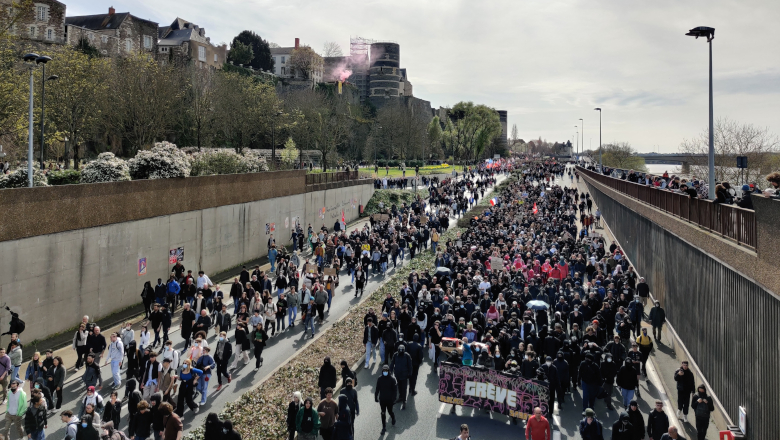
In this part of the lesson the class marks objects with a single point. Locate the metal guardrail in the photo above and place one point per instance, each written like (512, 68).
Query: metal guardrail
(339, 176)
(729, 221)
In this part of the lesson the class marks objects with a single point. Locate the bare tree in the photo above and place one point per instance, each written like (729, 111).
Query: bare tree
(332, 49)
(305, 62)
(514, 136)
(733, 139)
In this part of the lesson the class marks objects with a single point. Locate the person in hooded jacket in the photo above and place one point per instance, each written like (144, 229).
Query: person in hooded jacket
(637, 420)
(228, 433)
(292, 414)
(342, 429)
(347, 372)
(562, 367)
(609, 369)
(627, 381)
(351, 395)
(133, 397)
(307, 422)
(623, 429)
(39, 385)
(327, 378)
(86, 430)
(385, 394)
(702, 405)
(212, 429)
(110, 433)
(551, 373)
(402, 368)
(417, 353)
(112, 411)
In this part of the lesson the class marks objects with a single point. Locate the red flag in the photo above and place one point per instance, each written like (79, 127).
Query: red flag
(343, 219)
(535, 209)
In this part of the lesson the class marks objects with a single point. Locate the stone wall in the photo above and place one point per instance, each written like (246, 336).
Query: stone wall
(95, 270)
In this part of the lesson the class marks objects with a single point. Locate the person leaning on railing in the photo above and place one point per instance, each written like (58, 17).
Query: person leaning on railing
(774, 181)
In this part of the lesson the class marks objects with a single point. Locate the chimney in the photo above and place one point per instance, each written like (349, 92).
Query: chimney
(297, 42)
(111, 10)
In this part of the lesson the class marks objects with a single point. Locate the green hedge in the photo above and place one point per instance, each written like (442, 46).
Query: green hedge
(391, 197)
(64, 177)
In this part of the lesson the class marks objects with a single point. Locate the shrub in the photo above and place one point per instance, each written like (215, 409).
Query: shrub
(390, 197)
(223, 161)
(256, 162)
(106, 168)
(64, 177)
(18, 178)
(163, 161)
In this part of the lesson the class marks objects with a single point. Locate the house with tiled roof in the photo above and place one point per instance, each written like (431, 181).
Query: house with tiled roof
(186, 42)
(114, 33)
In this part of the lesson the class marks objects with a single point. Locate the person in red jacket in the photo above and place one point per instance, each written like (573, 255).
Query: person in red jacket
(537, 427)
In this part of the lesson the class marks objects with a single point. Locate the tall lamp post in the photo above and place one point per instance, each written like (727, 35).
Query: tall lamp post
(273, 139)
(43, 60)
(29, 60)
(601, 164)
(709, 34)
(582, 134)
(577, 141)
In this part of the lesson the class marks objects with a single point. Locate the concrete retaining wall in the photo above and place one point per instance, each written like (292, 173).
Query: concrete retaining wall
(52, 280)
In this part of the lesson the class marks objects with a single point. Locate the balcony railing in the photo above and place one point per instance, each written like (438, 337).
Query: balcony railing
(729, 221)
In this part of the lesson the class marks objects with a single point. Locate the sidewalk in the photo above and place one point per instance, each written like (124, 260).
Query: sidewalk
(664, 359)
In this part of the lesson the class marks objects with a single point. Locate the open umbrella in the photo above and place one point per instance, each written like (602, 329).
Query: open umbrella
(537, 305)
(443, 271)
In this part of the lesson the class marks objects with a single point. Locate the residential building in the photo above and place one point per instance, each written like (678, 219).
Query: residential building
(185, 42)
(113, 34)
(283, 67)
(43, 21)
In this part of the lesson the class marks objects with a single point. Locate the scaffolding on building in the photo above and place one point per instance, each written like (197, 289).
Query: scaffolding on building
(359, 49)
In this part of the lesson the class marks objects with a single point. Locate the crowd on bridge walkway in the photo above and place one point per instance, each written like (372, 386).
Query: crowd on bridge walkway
(725, 192)
(222, 328)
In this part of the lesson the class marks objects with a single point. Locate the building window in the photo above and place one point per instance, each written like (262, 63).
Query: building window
(32, 31)
(50, 34)
(128, 45)
(104, 39)
(147, 42)
(215, 58)
(201, 53)
(283, 61)
(42, 13)
(163, 49)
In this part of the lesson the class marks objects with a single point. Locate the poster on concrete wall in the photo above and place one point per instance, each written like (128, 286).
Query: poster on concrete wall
(267, 228)
(286, 222)
(273, 227)
(141, 266)
(176, 255)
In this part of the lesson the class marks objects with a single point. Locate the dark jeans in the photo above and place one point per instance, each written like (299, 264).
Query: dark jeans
(280, 323)
(326, 433)
(321, 311)
(258, 355)
(82, 356)
(58, 393)
(386, 405)
(222, 370)
(683, 401)
(702, 423)
(403, 385)
(270, 323)
(589, 393)
(413, 378)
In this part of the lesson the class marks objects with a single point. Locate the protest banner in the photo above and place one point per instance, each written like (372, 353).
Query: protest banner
(496, 263)
(478, 387)
(330, 271)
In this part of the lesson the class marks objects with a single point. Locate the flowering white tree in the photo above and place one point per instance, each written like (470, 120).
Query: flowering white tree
(163, 161)
(106, 168)
(18, 178)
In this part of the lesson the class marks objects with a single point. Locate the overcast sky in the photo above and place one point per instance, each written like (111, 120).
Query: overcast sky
(548, 63)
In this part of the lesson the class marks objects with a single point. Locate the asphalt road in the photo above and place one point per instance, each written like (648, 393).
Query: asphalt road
(279, 349)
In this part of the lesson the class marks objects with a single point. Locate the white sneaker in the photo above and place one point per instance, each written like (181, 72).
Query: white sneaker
(679, 413)
(197, 408)
(685, 418)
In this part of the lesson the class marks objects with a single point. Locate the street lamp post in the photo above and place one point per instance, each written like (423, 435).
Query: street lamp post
(273, 139)
(29, 60)
(577, 140)
(43, 60)
(709, 34)
(601, 164)
(582, 134)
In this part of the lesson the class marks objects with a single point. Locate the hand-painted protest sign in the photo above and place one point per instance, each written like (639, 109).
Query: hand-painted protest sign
(330, 271)
(477, 387)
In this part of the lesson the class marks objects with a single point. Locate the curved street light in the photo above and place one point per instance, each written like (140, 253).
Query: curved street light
(709, 34)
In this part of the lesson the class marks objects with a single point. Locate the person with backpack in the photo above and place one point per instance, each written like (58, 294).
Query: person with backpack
(71, 424)
(86, 429)
(590, 427)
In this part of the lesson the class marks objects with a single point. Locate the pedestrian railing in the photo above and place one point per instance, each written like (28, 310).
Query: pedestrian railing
(338, 176)
(729, 221)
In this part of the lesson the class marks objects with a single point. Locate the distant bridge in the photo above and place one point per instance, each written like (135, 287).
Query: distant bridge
(686, 160)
